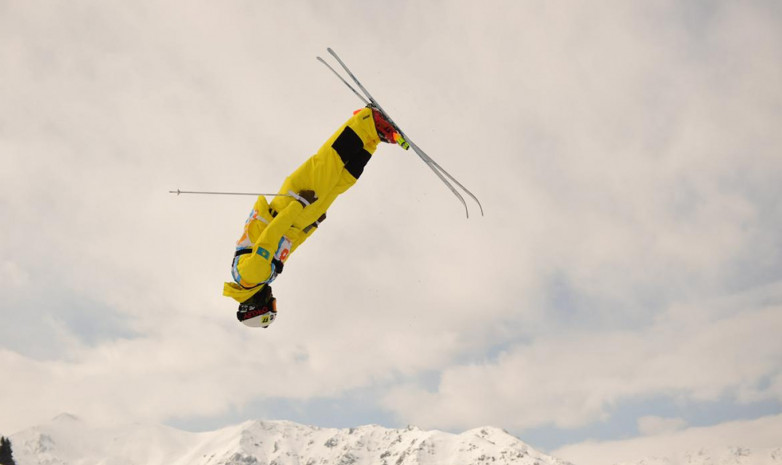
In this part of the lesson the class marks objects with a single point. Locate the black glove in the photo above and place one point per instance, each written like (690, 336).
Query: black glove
(308, 196)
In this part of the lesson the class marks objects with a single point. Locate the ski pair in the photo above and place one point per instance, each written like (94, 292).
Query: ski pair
(403, 141)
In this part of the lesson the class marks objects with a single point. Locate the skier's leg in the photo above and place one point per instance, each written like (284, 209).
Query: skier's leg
(334, 168)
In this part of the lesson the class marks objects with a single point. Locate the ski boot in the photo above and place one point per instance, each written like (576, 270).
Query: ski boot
(385, 130)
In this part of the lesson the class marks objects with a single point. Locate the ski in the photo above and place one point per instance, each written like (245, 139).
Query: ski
(404, 141)
(361, 97)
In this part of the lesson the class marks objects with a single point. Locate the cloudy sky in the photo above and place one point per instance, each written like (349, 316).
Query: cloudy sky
(622, 295)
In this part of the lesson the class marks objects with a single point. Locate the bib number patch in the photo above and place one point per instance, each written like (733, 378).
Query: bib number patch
(283, 249)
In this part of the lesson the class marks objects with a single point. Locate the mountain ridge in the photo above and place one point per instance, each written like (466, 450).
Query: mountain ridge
(69, 440)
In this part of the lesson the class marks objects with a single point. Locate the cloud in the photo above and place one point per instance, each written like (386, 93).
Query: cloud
(625, 154)
(574, 378)
(13, 274)
(754, 434)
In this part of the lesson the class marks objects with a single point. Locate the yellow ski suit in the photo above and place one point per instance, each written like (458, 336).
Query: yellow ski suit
(273, 231)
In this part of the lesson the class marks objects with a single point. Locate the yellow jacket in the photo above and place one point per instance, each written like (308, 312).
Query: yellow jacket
(274, 231)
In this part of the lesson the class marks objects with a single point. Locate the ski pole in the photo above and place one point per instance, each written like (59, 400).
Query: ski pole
(177, 192)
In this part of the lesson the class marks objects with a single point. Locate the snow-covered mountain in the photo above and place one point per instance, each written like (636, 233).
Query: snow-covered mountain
(68, 440)
(717, 456)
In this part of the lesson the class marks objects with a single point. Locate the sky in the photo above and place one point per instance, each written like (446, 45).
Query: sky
(621, 297)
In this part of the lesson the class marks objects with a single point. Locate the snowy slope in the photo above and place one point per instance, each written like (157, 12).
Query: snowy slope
(721, 456)
(68, 440)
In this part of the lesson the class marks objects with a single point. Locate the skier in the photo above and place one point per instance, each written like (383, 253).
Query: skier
(275, 230)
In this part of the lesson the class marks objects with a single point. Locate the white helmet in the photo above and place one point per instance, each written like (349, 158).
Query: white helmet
(260, 310)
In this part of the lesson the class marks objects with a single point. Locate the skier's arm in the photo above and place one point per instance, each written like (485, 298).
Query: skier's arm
(271, 235)
(256, 267)
(308, 231)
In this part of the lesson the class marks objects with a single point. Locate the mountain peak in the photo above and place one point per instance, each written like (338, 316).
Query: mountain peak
(280, 442)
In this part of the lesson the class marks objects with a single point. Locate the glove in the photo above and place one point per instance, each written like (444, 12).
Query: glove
(306, 197)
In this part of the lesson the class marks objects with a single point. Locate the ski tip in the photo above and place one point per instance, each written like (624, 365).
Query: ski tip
(467, 211)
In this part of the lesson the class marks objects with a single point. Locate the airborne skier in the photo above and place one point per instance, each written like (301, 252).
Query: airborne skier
(275, 230)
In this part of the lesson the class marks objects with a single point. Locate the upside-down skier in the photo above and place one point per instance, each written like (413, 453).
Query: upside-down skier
(275, 230)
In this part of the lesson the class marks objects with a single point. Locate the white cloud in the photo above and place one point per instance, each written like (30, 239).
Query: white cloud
(12, 274)
(622, 153)
(574, 378)
(761, 433)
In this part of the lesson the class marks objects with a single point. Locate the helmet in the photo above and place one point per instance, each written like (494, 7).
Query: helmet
(260, 310)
